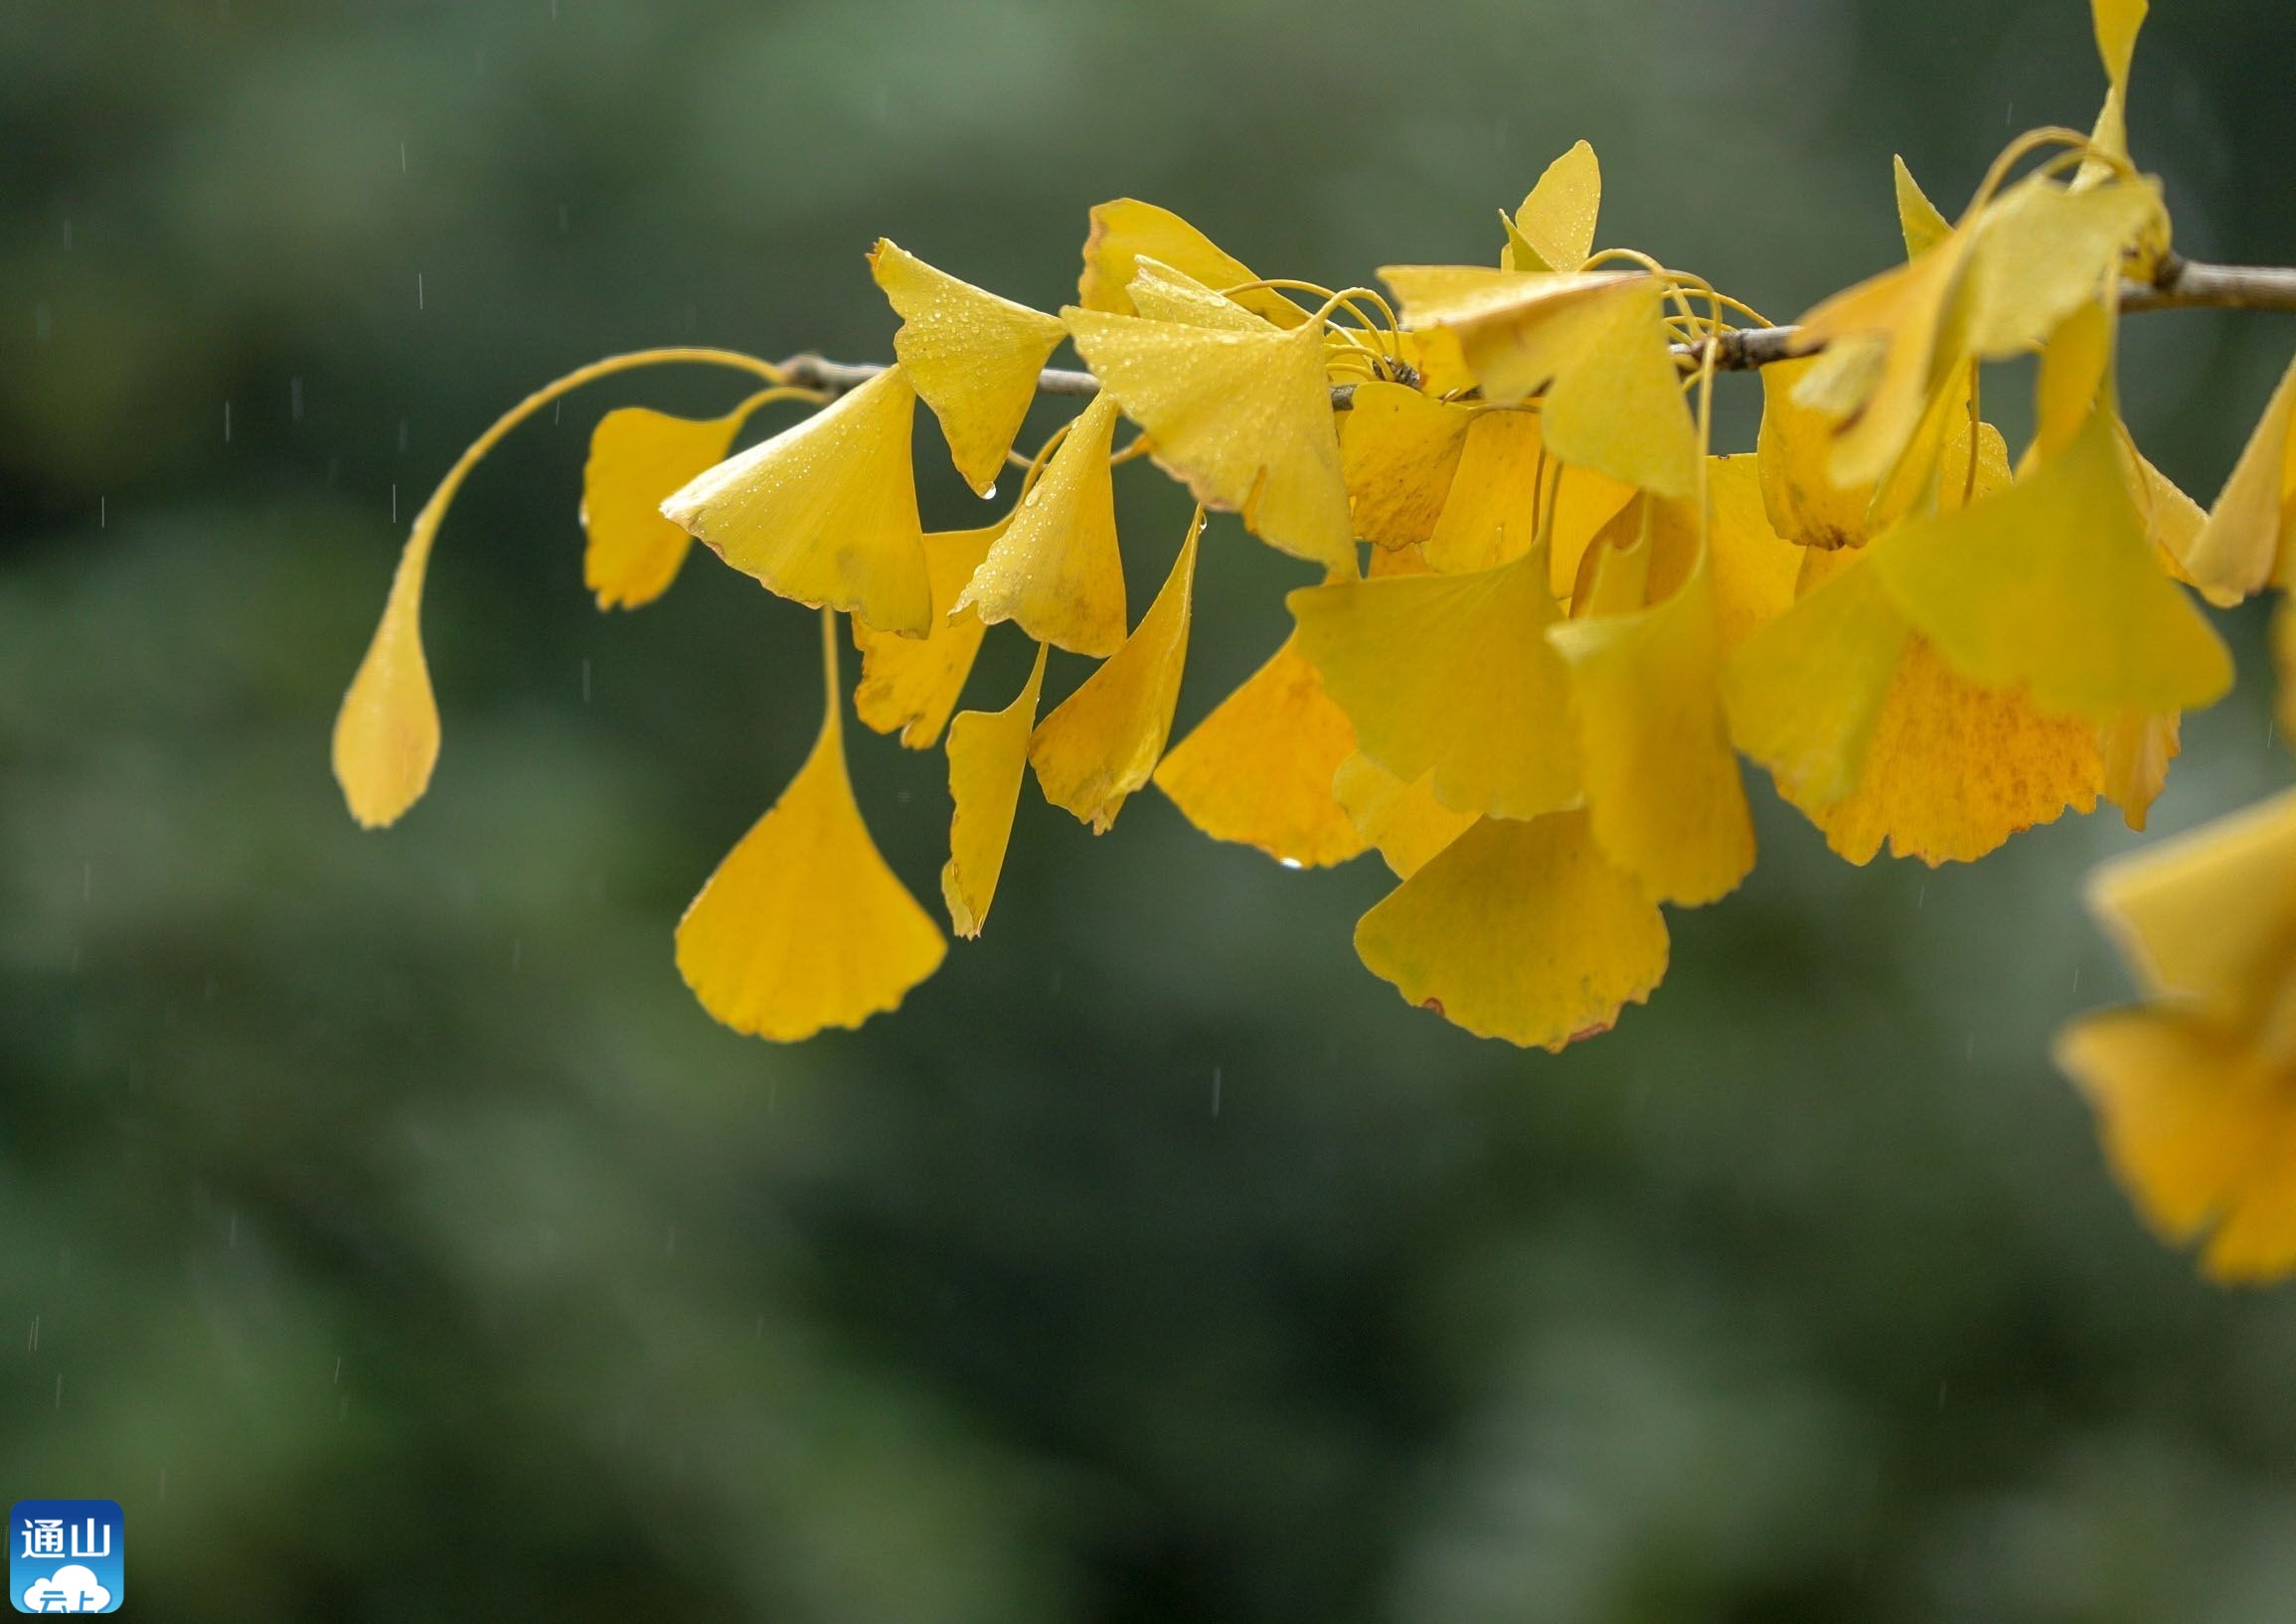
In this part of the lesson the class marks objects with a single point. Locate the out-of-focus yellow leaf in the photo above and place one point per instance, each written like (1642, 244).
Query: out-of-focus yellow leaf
(1243, 418)
(1103, 741)
(1258, 769)
(1453, 674)
(2117, 21)
(2041, 250)
(1593, 341)
(2051, 586)
(2200, 1127)
(1796, 450)
(1518, 930)
(637, 458)
(972, 356)
(1126, 230)
(912, 683)
(1889, 346)
(2242, 547)
(1492, 510)
(803, 926)
(387, 733)
(2135, 749)
(1804, 691)
(1553, 229)
(1056, 571)
(1755, 569)
(1398, 450)
(1404, 821)
(988, 753)
(825, 511)
(1918, 220)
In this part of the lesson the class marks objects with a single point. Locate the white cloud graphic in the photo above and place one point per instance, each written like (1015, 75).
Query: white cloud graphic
(73, 1589)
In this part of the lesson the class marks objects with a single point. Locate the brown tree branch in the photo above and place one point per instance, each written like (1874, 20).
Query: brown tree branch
(2179, 285)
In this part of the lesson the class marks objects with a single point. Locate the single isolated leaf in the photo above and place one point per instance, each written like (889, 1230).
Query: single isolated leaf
(1398, 449)
(2052, 586)
(1056, 571)
(1555, 227)
(2243, 543)
(1594, 342)
(825, 511)
(1103, 741)
(2200, 1126)
(1518, 930)
(803, 926)
(1243, 418)
(637, 459)
(972, 357)
(1453, 674)
(387, 733)
(987, 755)
(1258, 769)
(1403, 820)
(1127, 230)
(1492, 513)
(910, 683)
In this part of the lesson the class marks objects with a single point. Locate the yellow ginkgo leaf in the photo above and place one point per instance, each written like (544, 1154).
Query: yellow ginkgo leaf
(1103, 741)
(1918, 220)
(1243, 418)
(1518, 930)
(1593, 341)
(637, 458)
(1953, 769)
(2284, 668)
(2242, 545)
(2041, 250)
(1402, 820)
(2208, 919)
(1127, 230)
(2200, 1127)
(972, 357)
(1755, 569)
(987, 755)
(1056, 571)
(1161, 293)
(1555, 227)
(1586, 504)
(2052, 586)
(387, 733)
(912, 683)
(1493, 506)
(1663, 794)
(1451, 675)
(1258, 769)
(825, 511)
(803, 926)
(1890, 346)
(2134, 750)
(1804, 691)
(2117, 21)
(1398, 449)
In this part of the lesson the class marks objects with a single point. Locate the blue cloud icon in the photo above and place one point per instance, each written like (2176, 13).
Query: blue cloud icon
(73, 1589)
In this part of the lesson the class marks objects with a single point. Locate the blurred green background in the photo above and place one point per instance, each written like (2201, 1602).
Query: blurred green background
(385, 1227)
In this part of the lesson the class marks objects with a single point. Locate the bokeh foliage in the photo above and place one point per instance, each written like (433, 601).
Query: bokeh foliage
(390, 1232)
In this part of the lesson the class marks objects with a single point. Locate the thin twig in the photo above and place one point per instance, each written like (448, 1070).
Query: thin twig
(2179, 285)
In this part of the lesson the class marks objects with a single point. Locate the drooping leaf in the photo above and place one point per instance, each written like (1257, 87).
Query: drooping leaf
(988, 755)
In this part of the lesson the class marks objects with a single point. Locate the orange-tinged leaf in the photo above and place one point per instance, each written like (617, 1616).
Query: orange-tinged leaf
(1126, 230)
(1103, 741)
(1056, 571)
(2202, 1129)
(1398, 450)
(2135, 748)
(912, 683)
(2051, 586)
(1243, 418)
(637, 459)
(1593, 341)
(1518, 930)
(803, 926)
(1492, 510)
(2208, 919)
(387, 733)
(2242, 547)
(1451, 675)
(1403, 820)
(825, 511)
(1553, 229)
(1663, 794)
(987, 755)
(1258, 769)
(972, 356)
